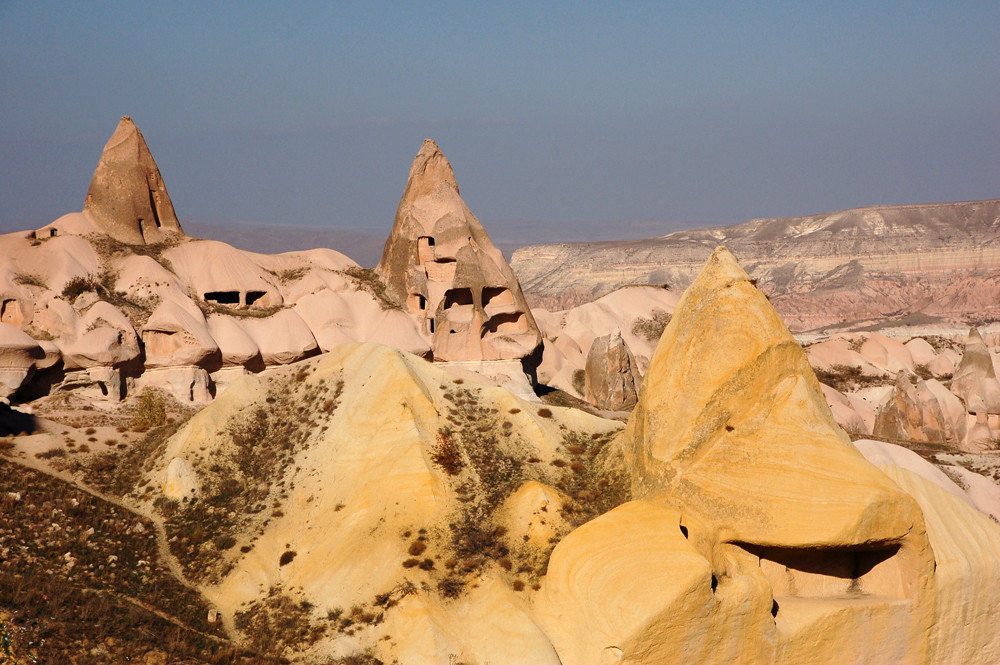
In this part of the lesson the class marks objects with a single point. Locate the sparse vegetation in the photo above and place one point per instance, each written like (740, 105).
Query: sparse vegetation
(939, 343)
(845, 378)
(107, 248)
(278, 622)
(241, 489)
(90, 588)
(103, 286)
(368, 280)
(152, 411)
(651, 329)
(446, 454)
(51, 452)
(120, 472)
(580, 381)
(77, 286)
(208, 307)
(485, 464)
(290, 274)
(28, 279)
(485, 470)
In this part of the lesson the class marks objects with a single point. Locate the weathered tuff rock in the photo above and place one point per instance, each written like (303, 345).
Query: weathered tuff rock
(127, 199)
(918, 410)
(783, 544)
(19, 355)
(975, 379)
(638, 313)
(187, 315)
(374, 487)
(441, 264)
(912, 413)
(728, 382)
(611, 377)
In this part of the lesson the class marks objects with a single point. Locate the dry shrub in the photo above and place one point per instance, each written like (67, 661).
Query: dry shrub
(446, 454)
(651, 329)
(152, 412)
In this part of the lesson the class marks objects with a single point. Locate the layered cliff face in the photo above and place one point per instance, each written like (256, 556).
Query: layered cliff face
(440, 263)
(852, 267)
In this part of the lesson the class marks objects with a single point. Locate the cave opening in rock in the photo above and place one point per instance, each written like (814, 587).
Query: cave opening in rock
(254, 296)
(223, 297)
(457, 297)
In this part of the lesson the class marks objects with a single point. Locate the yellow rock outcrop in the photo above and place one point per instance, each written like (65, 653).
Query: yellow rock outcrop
(383, 491)
(759, 534)
(729, 406)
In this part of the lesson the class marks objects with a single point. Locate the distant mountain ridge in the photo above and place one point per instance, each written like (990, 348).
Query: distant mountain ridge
(941, 260)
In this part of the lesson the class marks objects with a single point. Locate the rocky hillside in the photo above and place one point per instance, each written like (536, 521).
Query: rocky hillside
(854, 267)
(369, 506)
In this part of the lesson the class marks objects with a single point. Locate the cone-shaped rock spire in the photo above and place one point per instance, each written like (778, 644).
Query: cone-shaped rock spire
(733, 426)
(442, 266)
(127, 198)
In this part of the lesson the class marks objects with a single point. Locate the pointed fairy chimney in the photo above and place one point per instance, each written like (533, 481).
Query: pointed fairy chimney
(440, 264)
(127, 198)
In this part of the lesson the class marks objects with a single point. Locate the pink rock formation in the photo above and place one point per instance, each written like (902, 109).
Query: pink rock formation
(975, 379)
(18, 357)
(127, 198)
(441, 264)
(911, 413)
(886, 353)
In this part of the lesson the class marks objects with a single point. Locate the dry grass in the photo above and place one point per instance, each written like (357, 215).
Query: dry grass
(104, 286)
(28, 279)
(847, 379)
(368, 280)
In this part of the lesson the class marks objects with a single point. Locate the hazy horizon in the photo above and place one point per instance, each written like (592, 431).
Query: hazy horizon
(563, 120)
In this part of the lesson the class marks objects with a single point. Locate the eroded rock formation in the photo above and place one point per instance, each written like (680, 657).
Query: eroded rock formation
(407, 481)
(975, 379)
(441, 264)
(912, 413)
(783, 544)
(127, 198)
(611, 377)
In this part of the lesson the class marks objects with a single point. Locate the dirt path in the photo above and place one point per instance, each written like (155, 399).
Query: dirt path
(162, 545)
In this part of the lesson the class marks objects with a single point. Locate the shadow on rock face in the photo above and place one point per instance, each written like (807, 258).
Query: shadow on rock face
(16, 422)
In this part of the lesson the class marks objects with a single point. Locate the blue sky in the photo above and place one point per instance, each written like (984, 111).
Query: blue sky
(572, 115)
